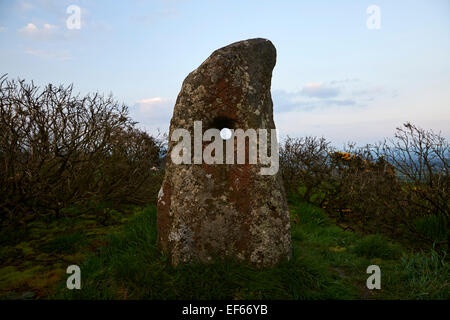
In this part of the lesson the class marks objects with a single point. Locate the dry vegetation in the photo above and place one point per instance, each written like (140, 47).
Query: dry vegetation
(58, 149)
(399, 186)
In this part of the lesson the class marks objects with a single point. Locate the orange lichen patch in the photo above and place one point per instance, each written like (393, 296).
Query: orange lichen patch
(227, 93)
(242, 243)
(240, 179)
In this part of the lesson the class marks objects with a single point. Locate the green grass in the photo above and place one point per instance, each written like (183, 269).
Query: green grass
(65, 243)
(34, 257)
(377, 246)
(119, 259)
(433, 226)
(427, 275)
(132, 263)
(327, 263)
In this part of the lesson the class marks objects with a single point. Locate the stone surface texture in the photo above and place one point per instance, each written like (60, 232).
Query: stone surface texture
(225, 210)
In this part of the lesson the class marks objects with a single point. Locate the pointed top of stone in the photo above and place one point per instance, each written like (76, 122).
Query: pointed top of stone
(257, 50)
(233, 83)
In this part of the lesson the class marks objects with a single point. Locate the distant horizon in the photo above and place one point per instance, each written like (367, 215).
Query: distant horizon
(158, 131)
(335, 75)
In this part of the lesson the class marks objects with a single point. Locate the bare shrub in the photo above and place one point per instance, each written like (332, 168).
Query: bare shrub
(387, 187)
(421, 159)
(305, 165)
(57, 149)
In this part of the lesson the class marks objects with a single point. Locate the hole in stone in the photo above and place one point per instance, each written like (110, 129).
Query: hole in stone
(225, 125)
(222, 122)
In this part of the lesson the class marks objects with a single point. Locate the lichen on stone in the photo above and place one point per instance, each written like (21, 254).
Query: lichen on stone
(225, 210)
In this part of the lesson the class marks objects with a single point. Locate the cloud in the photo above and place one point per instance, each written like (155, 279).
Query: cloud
(319, 90)
(374, 90)
(49, 26)
(369, 124)
(341, 119)
(2, 29)
(29, 29)
(363, 112)
(47, 31)
(340, 102)
(349, 92)
(153, 106)
(311, 96)
(344, 81)
(153, 113)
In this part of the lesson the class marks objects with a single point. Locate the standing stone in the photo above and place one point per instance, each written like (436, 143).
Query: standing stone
(225, 210)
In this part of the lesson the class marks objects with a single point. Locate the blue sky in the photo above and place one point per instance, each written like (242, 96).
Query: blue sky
(334, 76)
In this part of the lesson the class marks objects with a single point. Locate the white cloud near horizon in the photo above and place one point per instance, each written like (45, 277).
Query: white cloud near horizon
(29, 29)
(336, 93)
(370, 123)
(46, 32)
(157, 107)
(319, 90)
(153, 114)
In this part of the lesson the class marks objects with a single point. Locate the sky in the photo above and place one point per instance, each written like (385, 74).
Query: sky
(344, 71)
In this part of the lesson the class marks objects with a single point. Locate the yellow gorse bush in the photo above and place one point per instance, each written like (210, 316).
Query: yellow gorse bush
(344, 155)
